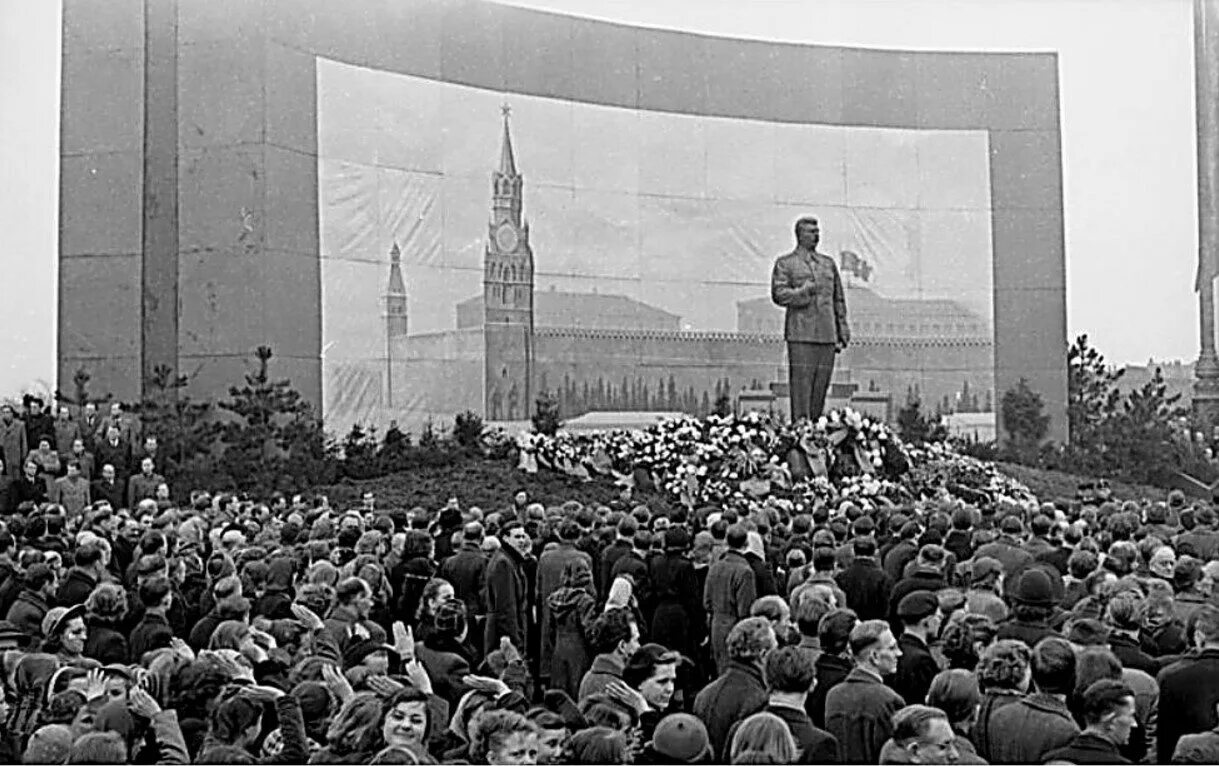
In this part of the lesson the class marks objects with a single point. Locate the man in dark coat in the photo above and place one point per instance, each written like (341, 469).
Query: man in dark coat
(865, 584)
(1189, 688)
(1008, 549)
(928, 576)
(113, 450)
(610, 554)
(634, 564)
(1109, 715)
(108, 488)
(554, 559)
(29, 487)
(729, 593)
(919, 613)
(83, 577)
(740, 691)
(507, 589)
(789, 676)
(859, 711)
(466, 571)
(834, 663)
(903, 551)
(38, 588)
(959, 542)
(1124, 615)
(152, 631)
(678, 621)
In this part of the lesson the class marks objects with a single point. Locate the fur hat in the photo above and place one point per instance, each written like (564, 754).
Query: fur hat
(49, 745)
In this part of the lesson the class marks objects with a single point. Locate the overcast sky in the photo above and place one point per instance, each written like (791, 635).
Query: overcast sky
(1126, 71)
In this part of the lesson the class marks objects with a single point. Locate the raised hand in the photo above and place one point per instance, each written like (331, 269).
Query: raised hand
(335, 679)
(95, 684)
(142, 703)
(619, 691)
(308, 617)
(487, 684)
(384, 686)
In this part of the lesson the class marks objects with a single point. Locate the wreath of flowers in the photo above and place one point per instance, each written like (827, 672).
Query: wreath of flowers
(752, 460)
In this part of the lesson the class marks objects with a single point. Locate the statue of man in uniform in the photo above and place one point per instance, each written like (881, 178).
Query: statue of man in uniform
(806, 283)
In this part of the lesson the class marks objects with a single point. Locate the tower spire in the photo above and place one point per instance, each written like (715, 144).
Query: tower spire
(507, 160)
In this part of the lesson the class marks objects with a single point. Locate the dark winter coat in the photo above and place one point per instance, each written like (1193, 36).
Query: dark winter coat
(106, 644)
(959, 542)
(447, 663)
(75, 588)
(551, 564)
(1028, 632)
(738, 693)
(867, 588)
(915, 670)
(1024, 732)
(815, 745)
(1189, 691)
(897, 557)
(572, 611)
(110, 491)
(1131, 655)
(1087, 748)
(506, 600)
(678, 620)
(466, 571)
(27, 612)
(831, 671)
(635, 566)
(923, 579)
(609, 556)
(152, 632)
(859, 713)
(763, 576)
(728, 594)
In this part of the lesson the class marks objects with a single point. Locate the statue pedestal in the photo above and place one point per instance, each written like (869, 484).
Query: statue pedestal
(1206, 393)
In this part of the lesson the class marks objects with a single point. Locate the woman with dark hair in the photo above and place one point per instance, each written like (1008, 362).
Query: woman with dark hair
(573, 607)
(418, 567)
(436, 593)
(367, 724)
(965, 639)
(105, 610)
(1004, 674)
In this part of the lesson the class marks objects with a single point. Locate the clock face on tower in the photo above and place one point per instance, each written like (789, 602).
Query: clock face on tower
(506, 238)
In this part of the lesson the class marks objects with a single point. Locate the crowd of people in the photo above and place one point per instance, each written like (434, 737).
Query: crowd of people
(234, 629)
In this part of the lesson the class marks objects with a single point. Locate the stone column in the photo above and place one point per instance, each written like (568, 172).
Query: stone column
(1206, 85)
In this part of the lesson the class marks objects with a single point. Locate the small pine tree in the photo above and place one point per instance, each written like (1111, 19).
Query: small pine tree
(183, 428)
(916, 428)
(1024, 419)
(273, 436)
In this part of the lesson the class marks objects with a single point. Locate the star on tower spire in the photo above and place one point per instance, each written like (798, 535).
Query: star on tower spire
(507, 160)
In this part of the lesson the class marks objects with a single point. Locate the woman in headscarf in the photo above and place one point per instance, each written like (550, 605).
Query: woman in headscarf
(66, 635)
(573, 607)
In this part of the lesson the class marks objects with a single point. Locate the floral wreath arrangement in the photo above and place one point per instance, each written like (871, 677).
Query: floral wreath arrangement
(753, 461)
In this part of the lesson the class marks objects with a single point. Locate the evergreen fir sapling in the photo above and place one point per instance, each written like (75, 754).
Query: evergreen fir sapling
(184, 429)
(546, 419)
(274, 438)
